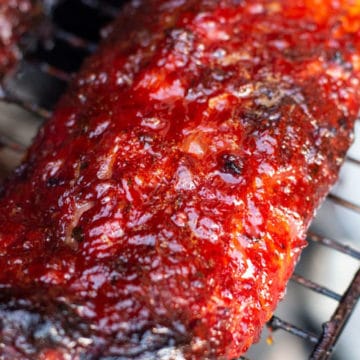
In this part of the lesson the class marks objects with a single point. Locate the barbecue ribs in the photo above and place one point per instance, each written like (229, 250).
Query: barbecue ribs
(161, 211)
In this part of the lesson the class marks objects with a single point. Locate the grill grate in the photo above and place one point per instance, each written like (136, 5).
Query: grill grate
(52, 61)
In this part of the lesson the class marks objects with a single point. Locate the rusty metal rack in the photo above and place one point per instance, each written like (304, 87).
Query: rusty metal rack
(61, 57)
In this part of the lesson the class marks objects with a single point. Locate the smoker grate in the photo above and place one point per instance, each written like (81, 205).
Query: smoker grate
(59, 58)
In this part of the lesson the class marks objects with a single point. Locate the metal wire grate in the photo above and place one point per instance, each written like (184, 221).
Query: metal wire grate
(60, 58)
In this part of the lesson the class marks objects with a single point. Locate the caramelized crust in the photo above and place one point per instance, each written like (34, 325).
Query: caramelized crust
(161, 211)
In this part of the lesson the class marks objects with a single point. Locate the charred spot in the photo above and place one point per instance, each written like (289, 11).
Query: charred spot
(127, 208)
(250, 116)
(84, 165)
(53, 182)
(194, 324)
(180, 38)
(261, 118)
(314, 170)
(219, 74)
(21, 172)
(348, 66)
(39, 320)
(179, 202)
(114, 279)
(2, 190)
(78, 234)
(231, 164)
(339, 59)
(84, 129)
(146, 138)
(120, 264)
(342, 121)
(282, 245)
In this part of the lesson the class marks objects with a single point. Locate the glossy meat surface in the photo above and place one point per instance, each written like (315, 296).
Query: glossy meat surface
(16, 17)
(160, 212)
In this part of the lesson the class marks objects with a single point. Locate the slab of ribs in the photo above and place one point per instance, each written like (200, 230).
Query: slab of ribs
(160, 212)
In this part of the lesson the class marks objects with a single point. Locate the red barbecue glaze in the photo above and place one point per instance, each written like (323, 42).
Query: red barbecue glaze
(161, 211)
(16, 16)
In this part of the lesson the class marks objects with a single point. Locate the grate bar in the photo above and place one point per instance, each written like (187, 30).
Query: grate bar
(51, 70)
(74, 40)
(333, 328)
(276, 323)
(353, 160)
(345, 203)
(31, 107)
(315, 287)
(345, 249)
(105, 9)
(11, 144)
